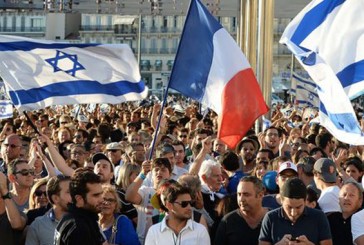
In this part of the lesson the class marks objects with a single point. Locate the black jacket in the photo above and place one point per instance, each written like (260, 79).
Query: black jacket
(79, 227)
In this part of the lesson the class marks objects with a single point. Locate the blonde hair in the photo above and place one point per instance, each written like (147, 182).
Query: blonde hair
(36, 185)
(107, 188)
(123, 180)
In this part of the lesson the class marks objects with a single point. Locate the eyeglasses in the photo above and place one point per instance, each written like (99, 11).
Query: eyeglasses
(184, 204)
(183, 136)
(295, 144)
(113, 150)
(39, 193)
(25, 172)
(63, 122)
(109, 200)
(77, 136)
(11, 145)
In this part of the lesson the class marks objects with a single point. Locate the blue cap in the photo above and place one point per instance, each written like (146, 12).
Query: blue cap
(269, 181)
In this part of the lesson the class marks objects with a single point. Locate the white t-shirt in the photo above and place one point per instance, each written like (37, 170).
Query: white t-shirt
(357, 225)
(145, 212)
(329, 200)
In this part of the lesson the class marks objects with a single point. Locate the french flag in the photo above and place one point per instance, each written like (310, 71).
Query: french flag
(210, 68)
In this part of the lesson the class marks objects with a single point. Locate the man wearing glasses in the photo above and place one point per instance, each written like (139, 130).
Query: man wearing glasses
(177, 227)
(10, 150)
(21, 176)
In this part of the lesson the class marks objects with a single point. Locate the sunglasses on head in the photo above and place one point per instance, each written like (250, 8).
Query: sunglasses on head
(39, 193)
(113, 150)
(184, 204)
(25, 172)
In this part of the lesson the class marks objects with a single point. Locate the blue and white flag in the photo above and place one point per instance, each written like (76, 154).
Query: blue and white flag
(40, 73)
(327, 38)
(6, 109)
(306, 94)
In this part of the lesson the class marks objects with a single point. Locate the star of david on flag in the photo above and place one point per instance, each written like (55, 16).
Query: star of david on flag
(6, 109)
(63, 62)
(40, 73)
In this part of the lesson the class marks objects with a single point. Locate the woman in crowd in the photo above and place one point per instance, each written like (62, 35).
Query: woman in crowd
(117, 228)
(127, 173)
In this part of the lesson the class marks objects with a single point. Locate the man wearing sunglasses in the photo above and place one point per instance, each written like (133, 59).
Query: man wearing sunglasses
(21, 177)
(177, 227)
(10, 150)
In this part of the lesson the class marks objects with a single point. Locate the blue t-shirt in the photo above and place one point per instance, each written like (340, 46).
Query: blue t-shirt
(234, 182)
(125, 234)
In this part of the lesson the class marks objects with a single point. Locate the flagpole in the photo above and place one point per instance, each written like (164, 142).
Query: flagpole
(31, 123)
(291, 75)
(167, 88)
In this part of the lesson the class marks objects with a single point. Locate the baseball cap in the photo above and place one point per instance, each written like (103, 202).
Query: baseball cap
(294, 188)
(114, 146)
(327, 169)
(100, 156)
(269, 181)
(287, 165)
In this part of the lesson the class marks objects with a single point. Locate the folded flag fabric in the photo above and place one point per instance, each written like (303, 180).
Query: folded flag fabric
(40, 73)
(6, 109)
(327, 39)
(306, 94)
(210, 68)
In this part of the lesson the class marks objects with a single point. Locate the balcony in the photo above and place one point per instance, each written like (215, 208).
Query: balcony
(14, 30)
(93, 28)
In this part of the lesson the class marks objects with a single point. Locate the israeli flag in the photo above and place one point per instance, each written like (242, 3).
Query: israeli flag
(6, 109)
(40, 73)
(306, 94)
(327, 39)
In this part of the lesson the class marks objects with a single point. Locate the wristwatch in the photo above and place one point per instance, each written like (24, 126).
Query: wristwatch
(6, 196)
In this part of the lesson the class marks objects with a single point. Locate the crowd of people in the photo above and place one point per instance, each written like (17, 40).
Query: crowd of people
(101, 176)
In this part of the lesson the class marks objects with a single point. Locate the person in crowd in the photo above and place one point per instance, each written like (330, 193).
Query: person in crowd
(81, 221)
(350, 200)
(12, 221)
(117, 228)
(38, 202)
(211, 178)
(244, 223)
(247, 149)
(271, 139)
(324, 172)
(21, 177)
(326, 142)
(42, 230)
(294, 222)
(230, 163)
(140, 195)
(10, 150)
(180, 154)
(177, 227)
(194, 184)
(353, 167)
(287, 170)
(127, 174)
